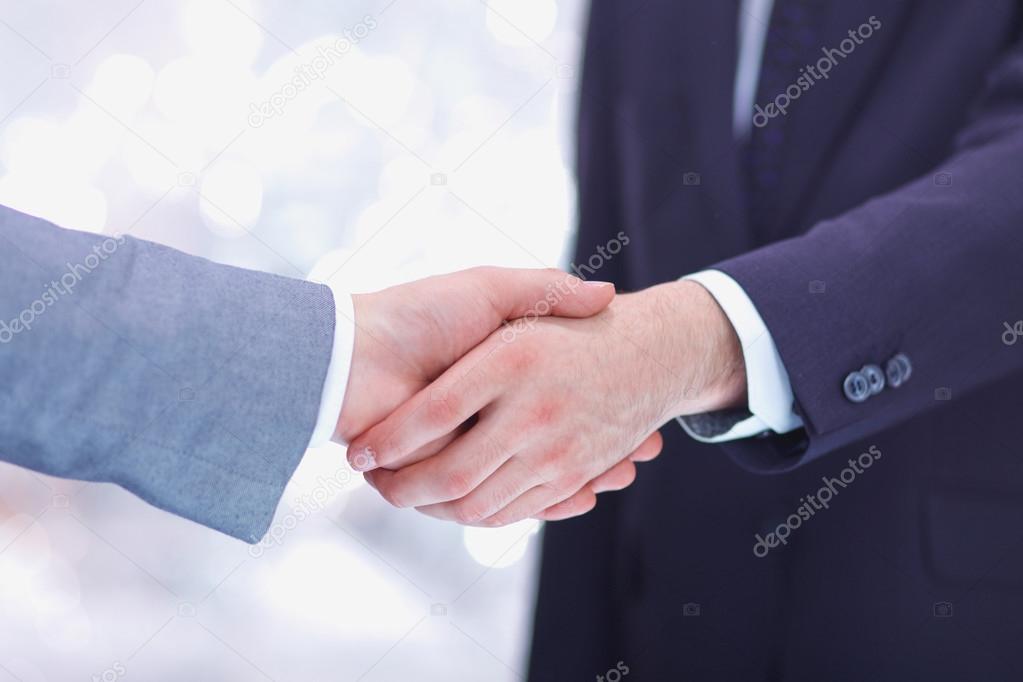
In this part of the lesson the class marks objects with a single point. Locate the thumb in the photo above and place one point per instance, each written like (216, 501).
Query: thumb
(523, 292)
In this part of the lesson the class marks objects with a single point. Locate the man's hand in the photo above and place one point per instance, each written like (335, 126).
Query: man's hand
(559, 403)
(408, 335)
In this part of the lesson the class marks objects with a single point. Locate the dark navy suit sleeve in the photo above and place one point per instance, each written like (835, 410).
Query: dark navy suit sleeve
(922, 281)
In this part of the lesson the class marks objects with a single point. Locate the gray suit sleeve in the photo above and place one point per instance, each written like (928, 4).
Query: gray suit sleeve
(193, 385)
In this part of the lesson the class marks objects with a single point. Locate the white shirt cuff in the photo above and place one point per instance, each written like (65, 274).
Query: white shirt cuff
(767, 383)
(338, 370)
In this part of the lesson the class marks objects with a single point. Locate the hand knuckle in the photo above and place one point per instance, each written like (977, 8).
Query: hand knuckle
(518, 358)
(556, 462)
(544, 413)
(457, 483)
(501, 518)
(547, 467)
(568, 483)
(468, 512)
(443, 408)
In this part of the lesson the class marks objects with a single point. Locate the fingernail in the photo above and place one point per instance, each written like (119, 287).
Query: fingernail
(364, 460)
(600, 286)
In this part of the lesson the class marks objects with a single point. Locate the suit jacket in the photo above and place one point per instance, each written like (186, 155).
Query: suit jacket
(898, 230)
(194, 385)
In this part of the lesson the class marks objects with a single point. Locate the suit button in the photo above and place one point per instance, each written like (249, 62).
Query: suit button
(875, 378)
(856, 387)
(907, 366)
(898, 370)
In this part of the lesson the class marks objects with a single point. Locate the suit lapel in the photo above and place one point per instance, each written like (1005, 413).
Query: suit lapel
(709, 36)
(823, 115)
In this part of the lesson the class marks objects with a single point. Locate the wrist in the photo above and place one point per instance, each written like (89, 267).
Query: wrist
(706, 354)
(365, 367)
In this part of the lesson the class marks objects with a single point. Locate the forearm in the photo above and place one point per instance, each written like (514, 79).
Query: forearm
(192, 384)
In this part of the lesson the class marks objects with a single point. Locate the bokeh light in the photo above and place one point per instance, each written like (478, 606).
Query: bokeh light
(231, 198)
(500, 547)
(122, 84)
(222, 32)
(521, 23)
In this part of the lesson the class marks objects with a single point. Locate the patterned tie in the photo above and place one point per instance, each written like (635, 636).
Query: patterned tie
(792, 41)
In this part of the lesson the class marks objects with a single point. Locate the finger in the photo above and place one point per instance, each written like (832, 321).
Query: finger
(528, 504)
(420, 454)
(577, 505)
(424, 452)
(436, 410)
(431, 449)
(523, 292)
(648, 449)
(494, 502)
(511, 480)
(449, 475)
(619, 476)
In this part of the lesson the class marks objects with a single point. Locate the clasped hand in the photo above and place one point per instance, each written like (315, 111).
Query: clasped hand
(491, 396)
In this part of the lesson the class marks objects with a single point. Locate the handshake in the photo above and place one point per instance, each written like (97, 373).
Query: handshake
(491, 395)
(485, 396)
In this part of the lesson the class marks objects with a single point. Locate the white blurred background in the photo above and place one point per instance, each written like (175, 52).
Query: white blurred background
(431, 136)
